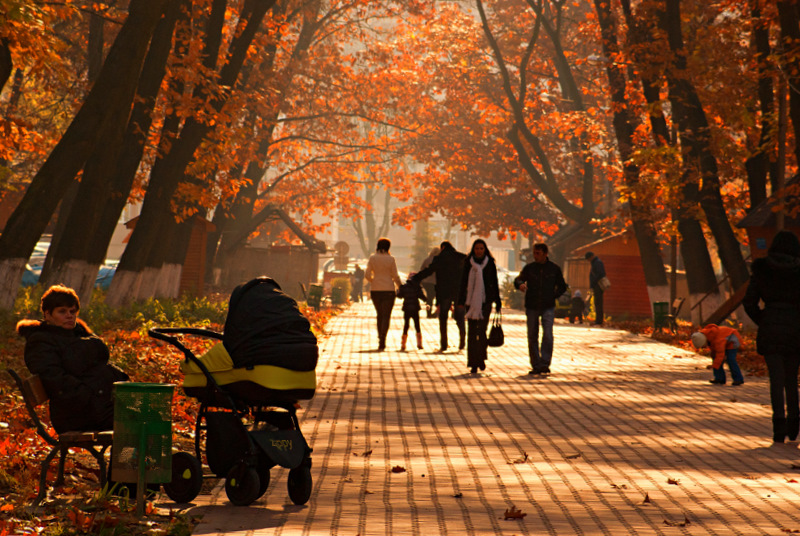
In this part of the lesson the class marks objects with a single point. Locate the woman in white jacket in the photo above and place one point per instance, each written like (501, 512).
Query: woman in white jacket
(383, 282)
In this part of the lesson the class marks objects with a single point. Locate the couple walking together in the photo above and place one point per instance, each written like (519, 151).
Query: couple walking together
(469, 281)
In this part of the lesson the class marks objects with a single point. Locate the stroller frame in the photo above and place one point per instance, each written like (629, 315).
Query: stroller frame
(244, 438)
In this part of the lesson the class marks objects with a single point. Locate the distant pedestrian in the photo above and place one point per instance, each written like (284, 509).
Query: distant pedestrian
(447, 266)
(429, 283)
(596, 273)
(576, 307)
(542, 282)
(479, 290)
(724, 343)
(383, 278)
(411, 292)
(775, 281)
(358, 284)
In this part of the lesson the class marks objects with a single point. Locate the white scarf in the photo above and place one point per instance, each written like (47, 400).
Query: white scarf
(476, 294)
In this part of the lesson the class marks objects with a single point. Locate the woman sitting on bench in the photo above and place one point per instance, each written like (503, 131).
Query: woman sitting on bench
(72, 363)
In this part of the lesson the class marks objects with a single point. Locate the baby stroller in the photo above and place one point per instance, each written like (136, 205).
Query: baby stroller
(248, 386)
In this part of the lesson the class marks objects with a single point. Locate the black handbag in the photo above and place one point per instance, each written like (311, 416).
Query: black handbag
(496, 337)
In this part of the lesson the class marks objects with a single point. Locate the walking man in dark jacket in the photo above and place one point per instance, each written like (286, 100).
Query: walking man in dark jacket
(542, 282)
(448, 266)
(596, 273)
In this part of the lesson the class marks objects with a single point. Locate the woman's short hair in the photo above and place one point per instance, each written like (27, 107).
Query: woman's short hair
(384, 244)
(59, 296)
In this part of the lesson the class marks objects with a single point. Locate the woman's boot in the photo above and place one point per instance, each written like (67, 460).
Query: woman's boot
(792, 428)
(778, 429)
(419, 341)
(403, 342)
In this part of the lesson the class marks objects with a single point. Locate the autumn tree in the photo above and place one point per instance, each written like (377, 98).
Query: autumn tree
(109, 99)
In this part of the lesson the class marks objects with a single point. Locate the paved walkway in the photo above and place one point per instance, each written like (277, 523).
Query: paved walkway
(626, 437)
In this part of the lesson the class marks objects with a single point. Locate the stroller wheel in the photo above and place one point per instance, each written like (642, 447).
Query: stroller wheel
(187, 478)
(242, 484)
(299, 484)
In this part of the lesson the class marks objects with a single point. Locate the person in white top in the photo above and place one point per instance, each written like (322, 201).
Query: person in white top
(383, 280)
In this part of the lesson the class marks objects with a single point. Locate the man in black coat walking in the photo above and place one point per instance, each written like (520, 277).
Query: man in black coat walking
(448, 266)
(596, 273)
(542, 282)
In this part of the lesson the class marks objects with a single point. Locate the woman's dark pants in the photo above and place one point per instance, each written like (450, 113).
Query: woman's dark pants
(383, 300)
(476, 339)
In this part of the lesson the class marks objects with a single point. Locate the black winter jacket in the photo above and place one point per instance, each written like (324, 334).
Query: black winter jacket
(545, 284)
(447, 266)
(74, 369)
(776, 281)
(411, 292)
(490, 286)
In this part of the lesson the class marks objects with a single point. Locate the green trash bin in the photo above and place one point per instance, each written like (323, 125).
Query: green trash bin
(314, 296)
(660, 312)
(142, 448)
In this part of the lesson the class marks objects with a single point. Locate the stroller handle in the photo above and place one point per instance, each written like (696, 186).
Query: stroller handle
(169, 335)
(165, 334)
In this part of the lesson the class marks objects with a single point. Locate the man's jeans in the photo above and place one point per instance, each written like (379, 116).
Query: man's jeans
(458, 316)
(540, 359)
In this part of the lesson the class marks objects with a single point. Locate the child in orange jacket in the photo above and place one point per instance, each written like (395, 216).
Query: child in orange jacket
(724, 343)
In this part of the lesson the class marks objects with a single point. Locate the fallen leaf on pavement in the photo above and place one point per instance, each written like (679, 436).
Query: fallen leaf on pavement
(646, 499)
(398, 469)
(791, 481)
(458, 495)
(513, 513)
(795, 466)
(673, 481)
(522, 459)
(615, 486)
(573, 456)
(683, 523)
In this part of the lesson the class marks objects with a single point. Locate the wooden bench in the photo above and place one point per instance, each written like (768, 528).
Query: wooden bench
(96, 443)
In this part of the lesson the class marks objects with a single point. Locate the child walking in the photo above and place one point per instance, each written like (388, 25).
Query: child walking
(412, 293)
(724, 343)
(576, 307)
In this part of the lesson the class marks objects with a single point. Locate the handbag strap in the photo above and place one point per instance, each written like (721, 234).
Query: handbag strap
(498, 319)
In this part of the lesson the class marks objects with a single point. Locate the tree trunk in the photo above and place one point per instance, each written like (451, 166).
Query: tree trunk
(6, 63)
(169, 170)
(625, 123)
(790, 61)
(758, 165)
(699, 270)
(110, 96)
(696, 149)
(92, 221)
(532, 149)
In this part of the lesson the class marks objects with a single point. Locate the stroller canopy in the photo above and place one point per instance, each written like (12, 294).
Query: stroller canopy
(264, 326)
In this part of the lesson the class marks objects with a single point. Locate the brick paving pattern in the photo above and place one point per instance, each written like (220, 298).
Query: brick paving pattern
(626, 437)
